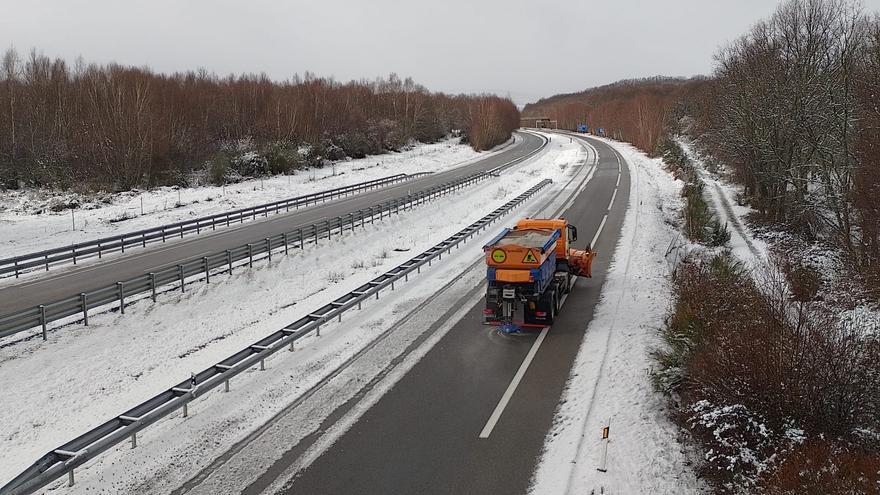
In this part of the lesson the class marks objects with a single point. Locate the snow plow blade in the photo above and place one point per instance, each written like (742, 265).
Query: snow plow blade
(581, 262)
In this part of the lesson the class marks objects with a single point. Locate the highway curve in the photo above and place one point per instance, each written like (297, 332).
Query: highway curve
(423, 435)
(68, 282)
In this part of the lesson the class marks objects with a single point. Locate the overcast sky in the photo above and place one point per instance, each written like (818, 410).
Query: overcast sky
(527, 49)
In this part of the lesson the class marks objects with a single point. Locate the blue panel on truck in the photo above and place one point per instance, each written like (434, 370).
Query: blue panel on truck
(544, 274)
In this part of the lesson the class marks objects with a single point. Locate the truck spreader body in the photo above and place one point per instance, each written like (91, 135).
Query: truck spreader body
(531, 267)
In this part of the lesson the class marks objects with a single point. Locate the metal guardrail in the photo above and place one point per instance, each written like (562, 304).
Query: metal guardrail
(97, 247)
(64, 459)
(224, 261)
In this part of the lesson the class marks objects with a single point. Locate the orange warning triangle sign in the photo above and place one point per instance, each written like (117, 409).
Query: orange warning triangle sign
(530, 258)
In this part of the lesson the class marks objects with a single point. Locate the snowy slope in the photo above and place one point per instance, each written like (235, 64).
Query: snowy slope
(611, 376)
(25, 230)
(119, 361)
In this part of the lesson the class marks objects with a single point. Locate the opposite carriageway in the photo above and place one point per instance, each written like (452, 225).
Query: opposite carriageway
(34, 306)
(16, 265)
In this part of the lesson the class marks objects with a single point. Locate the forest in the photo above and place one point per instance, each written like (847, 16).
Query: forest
(114, 127)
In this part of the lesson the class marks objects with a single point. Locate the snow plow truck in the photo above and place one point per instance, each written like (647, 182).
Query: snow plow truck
(529, 269)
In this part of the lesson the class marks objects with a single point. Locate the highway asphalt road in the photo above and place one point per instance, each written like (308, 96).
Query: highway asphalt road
(65, 283)
(424, 435)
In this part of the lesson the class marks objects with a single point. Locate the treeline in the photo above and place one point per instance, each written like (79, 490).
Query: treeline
(635, 110)
(121, 127)
(793, 109)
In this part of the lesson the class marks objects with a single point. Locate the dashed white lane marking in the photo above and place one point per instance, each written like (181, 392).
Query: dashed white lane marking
(496, 414)
(613, 195)
(598, 231)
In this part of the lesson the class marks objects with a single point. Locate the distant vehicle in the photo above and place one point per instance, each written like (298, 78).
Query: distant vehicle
(530, 268)
(583, 128)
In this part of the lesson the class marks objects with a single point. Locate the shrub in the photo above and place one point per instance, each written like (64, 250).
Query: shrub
(282, 158)
(718, 235)
(356, 144)
(824, 467)
(745, 350)
(218, 166)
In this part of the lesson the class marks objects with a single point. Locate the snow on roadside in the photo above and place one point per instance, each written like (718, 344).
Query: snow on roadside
(842, 295)
(25, 230)
(722, 197)
(119, 361)
(611, 375)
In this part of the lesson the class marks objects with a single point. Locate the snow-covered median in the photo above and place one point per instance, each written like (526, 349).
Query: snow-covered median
(119, 361)
(611, 375)
(29, 224)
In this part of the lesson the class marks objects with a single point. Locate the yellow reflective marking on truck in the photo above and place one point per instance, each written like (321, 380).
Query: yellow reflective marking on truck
(499, 256)
(529, 258)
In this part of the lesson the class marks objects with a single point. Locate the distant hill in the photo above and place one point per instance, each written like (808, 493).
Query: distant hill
(632, 110)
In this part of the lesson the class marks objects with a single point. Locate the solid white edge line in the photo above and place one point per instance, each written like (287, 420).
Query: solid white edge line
(496, 414)
(599, 231)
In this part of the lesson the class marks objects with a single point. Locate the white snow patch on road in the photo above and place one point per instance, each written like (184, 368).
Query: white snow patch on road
(610, 378)
(85, 375)
(29, 225)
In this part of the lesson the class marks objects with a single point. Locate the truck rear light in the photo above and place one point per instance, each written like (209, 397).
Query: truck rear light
(488, 311)
(541, 314)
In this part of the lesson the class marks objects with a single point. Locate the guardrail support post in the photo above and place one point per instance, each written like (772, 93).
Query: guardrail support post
(291, 346)
(143, 240)
(70, 478)
(315, 226)
(83, 304)
(229, 260)
(180, 275)
(269, 248)
(318, 330)
(43, 320)
(120, 291)
(207, 272)
(285, 243)
(262, 365)
(47, 262)
(359, 305)
(226, 386)
(250, 255)
(163, 234)
(185, 410)
(99, 250)
(73, 250)
(153, 286)
(134, 440)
